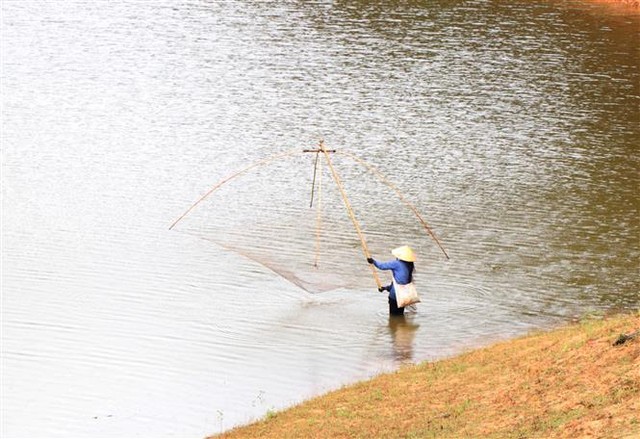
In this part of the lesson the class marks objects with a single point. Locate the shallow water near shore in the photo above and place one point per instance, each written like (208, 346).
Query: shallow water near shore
(512, 127)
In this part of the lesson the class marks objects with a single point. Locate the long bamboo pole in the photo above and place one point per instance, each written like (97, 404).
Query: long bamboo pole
(318, 215)
(262, 162)
(386, 181)
(352, 215)
(313, 182)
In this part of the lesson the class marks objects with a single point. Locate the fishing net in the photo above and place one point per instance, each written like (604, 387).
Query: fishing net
(288, 216)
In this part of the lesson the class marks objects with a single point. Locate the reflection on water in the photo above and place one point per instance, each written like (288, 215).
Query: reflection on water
(513, 126)
(403, 331)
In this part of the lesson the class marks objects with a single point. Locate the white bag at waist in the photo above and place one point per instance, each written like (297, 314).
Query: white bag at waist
(405, 294)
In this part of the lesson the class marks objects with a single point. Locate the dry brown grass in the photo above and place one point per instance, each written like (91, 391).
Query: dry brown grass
(629, 5)
(569, 383)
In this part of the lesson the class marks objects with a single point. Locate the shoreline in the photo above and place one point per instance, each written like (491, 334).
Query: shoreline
(568, 382)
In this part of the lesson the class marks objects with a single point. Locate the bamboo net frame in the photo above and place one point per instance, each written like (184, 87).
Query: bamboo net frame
(321, 150)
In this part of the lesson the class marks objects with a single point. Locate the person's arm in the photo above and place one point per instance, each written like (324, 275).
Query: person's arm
(390, 265)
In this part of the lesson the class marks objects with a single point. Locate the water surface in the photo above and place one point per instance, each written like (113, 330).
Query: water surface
(512, 126)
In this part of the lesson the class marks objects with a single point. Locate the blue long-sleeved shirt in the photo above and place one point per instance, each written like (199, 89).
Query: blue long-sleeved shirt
(402, 272)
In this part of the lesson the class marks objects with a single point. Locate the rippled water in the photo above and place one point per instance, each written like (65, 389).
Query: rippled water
(512, 126)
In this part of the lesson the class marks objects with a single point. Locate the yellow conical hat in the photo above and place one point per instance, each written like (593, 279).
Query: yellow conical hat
(404, 253)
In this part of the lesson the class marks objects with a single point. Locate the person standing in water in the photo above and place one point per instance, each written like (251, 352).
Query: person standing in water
(402, 269)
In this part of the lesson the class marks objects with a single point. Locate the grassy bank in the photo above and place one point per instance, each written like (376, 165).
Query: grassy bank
(571, 382)
(629, 5)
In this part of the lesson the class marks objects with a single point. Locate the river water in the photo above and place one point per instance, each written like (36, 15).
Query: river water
(512, 126)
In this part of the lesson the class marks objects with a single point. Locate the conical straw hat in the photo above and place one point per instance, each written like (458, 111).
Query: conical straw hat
(404, 253)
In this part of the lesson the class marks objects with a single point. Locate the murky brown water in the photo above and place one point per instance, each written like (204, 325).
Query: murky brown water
(513, 126)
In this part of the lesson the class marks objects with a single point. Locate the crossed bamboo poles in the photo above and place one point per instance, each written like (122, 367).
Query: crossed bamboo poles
(322, 150)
